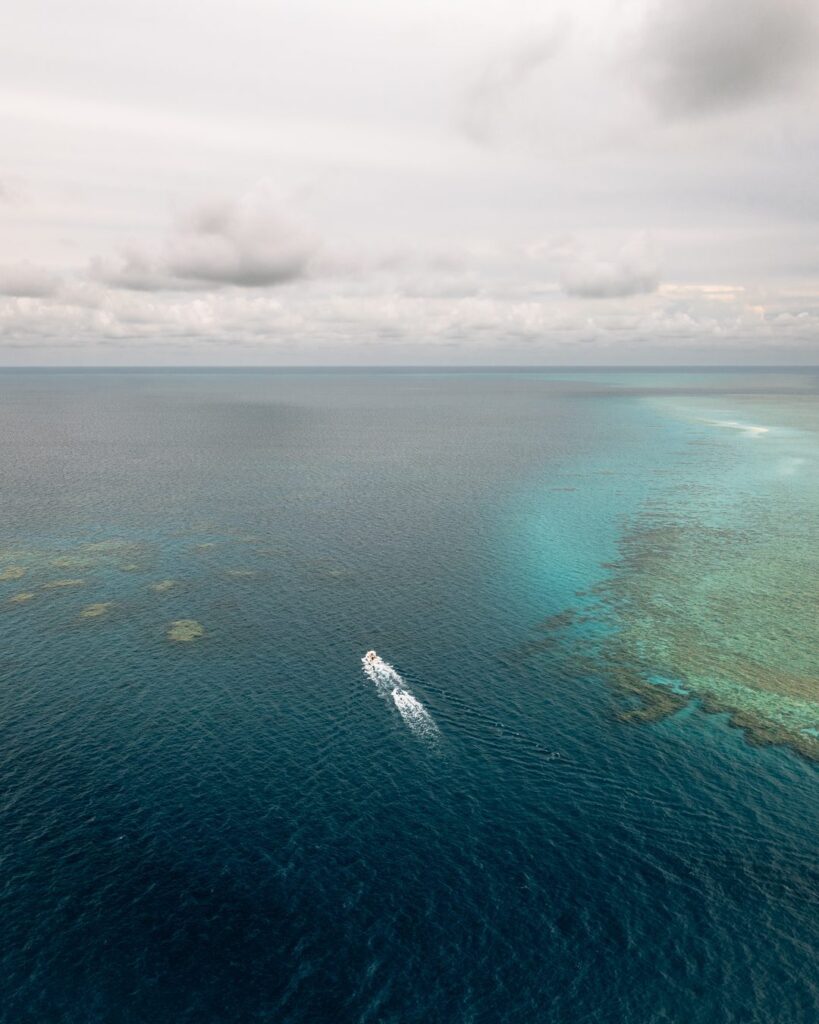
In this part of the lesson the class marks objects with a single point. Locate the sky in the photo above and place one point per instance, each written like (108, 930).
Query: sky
(384, 182)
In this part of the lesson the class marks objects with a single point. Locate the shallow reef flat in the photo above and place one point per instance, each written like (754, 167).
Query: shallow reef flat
(721, 618)
(715, 597)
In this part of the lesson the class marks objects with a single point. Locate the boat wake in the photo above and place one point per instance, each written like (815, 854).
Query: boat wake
(389, 684)
(748, 429)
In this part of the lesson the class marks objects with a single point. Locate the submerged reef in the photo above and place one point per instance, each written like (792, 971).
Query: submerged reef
(185, 630)
(94, 611)
(12, 572)
(722, 615)
(163, 586)
(712, 597)
(719, 615)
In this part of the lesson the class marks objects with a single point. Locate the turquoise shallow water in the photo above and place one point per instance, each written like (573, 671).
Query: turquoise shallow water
(242, 828)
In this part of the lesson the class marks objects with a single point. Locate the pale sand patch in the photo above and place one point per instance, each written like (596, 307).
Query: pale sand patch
(22, 597)
(94, 611)
(185, 630)
(12, 572)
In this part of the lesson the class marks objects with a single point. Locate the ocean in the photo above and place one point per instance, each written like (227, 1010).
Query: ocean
(582, 787)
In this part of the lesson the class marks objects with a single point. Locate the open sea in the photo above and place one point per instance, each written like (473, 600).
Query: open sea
(585, 791)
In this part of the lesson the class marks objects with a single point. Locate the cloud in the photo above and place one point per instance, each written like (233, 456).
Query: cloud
(701, 56)
(492, 95)
(633, 271)
(317, 323)
(251, 242)
(133, 270)
(26, 280)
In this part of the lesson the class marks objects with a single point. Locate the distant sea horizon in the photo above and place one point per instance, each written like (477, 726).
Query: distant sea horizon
(467, 367)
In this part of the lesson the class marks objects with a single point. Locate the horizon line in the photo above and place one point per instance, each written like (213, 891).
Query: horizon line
(410, 366)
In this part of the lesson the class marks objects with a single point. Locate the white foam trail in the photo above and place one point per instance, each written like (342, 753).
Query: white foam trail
(749, 429)
(414, 714)
(389, 683)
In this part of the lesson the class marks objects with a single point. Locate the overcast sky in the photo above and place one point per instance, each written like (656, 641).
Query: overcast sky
(395, 182)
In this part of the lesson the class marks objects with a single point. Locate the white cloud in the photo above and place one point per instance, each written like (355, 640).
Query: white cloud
(632, 271)
(251, 242)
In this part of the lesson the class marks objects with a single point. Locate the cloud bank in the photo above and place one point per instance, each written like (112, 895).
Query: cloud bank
(416, 183)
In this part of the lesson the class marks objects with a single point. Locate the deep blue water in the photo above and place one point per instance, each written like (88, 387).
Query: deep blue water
(240, 829)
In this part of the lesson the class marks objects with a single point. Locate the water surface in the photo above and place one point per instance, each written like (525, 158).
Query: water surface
(600, 589)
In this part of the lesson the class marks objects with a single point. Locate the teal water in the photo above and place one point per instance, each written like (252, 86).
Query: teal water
(240, 827)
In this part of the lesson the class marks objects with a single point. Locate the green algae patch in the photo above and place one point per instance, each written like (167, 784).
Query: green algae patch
(63, 584)
(12, 572)
(163, 586)
(186, 630)
(95, 611)
(22, 597)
